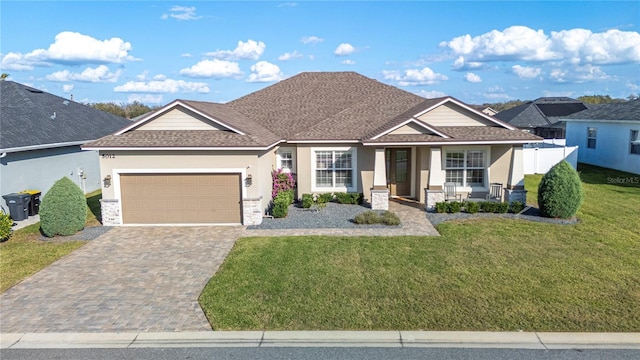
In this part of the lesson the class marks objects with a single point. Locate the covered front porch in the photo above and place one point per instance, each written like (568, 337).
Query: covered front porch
(420, 172)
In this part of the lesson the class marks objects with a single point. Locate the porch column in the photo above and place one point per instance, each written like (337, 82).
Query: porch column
(380, 192)
(434, 191)
(515, 187)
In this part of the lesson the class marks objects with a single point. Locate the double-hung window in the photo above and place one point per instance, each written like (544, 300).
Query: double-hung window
(634, 146)
(334, 169)
(592, 134)
(466, 168)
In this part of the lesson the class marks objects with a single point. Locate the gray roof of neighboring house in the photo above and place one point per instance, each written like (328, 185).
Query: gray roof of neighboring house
(542, 112)
(628, 110)
(32, 118)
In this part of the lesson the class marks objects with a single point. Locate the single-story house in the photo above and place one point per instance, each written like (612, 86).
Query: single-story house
(194, 162)
(40, 139)
(608, 135)
(542, 116)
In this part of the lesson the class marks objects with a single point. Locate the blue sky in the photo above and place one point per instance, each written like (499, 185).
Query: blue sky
(477, 51)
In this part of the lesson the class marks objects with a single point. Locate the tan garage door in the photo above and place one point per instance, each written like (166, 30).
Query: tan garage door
(180, 198)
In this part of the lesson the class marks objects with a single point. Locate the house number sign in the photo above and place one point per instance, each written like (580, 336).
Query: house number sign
(108, 156)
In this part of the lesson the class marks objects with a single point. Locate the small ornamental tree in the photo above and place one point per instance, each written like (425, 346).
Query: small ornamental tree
(63, 210)
(560, 192)
(281, 193)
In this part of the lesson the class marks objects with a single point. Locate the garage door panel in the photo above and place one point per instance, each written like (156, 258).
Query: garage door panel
(180, 198)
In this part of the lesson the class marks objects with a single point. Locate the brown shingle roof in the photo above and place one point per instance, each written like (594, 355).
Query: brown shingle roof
(178, 138)
(462, 134)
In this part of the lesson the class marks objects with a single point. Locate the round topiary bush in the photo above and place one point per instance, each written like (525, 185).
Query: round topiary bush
(63, 210)
(560, 192)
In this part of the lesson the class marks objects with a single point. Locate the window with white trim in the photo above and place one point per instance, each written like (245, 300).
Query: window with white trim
(592, 134)
(334, 169)
(286, 160)
(466, 167)
(634, 146)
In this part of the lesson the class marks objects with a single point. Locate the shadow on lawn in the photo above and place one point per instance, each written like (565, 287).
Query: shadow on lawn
(93, 202)
(591, 174)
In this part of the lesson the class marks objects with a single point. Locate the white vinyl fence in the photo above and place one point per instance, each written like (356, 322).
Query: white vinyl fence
(539, 158)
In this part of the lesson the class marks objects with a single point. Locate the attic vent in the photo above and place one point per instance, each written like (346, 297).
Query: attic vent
(66, 102)
(35, 91)
(53, 117)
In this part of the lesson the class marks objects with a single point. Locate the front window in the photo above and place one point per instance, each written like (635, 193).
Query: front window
(286, 160)
(465, 167)
(635, 142)
(592, 133)
(334, 169)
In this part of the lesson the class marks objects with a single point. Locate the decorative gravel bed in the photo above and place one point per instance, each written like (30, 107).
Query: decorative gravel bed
(533, 214)
(333, 216)
(88, 233)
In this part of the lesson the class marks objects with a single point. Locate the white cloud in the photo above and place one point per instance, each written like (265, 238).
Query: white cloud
(576, 46)
(67, 88)
(311, 40)
(71, 48)
(496, 96)
(264, 71)
(288, 4)
(526, 72)
(186, 55)
(472, 78)
(145, 98)
(548, 93)
(578, 74)
(95, 75)
(250, 50)
(182, 13)
(432, 94)
(348, 62)
(413, 77)
(344, 49)
(159, 77)
(142, 76)
(212, 69)
(460, 64)
(163, 86)
(289, 56)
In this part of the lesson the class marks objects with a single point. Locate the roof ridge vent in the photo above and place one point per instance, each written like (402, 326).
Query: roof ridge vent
(30, 89)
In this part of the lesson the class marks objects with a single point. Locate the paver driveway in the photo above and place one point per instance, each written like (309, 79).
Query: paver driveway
(129, 279)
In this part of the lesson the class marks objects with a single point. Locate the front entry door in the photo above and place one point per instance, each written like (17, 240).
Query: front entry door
(399, 171)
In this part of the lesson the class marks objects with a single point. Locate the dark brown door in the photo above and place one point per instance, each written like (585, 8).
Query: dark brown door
(399, 171)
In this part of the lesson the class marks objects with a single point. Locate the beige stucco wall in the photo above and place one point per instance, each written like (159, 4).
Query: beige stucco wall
(422, 155)
(500, 164)
(254, 163)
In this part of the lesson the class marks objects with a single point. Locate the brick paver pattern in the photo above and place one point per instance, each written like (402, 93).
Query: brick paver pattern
(144, 278)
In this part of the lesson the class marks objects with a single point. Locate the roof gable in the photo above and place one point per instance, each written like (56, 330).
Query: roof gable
(451, 114)
(33, 119)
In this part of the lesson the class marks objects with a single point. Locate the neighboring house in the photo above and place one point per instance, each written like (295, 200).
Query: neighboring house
(40, 138)
(200, 163)
(608, 135)
(542, 116)
(485, 109)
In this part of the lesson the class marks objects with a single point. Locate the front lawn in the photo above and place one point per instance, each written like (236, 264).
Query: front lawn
(24, 254)
(491, 274)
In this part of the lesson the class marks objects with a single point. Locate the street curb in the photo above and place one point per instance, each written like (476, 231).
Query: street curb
(459, 339)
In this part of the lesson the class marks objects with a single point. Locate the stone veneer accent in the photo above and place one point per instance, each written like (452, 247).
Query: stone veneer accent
(252, 211)
(380, 199)
(110, 210)
(432, 197)
(515, 195)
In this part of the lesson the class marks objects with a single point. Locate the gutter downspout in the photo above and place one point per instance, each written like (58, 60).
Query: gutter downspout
(3, 155)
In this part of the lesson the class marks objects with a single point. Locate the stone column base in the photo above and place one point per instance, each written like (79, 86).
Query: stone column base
(110, 212)
(432, 197)
(515, 195)
(252, 211)
(380, 199)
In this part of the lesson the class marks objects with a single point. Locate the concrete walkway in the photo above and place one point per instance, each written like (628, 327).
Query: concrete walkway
(458, 339)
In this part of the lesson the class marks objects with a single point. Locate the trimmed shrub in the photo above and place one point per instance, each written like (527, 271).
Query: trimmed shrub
(349, 198)
(516, 207)
(560, 192)
(5, 227)
(307, 201)
(502, 207)
(325, 198)
(454, 207)
(63, 210)
(441, 207)
(489, 206)
(471, 207)
(280, 207)
(372, 217)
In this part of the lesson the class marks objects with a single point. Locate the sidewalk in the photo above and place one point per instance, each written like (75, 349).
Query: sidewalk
(459, 339)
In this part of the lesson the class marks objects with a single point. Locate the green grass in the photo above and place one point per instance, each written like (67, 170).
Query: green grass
(24, 254)
(497, 274)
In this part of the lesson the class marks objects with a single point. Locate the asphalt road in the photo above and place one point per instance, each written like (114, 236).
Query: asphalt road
(324, 353)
